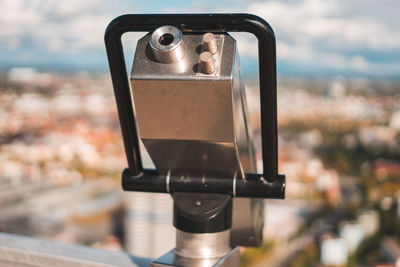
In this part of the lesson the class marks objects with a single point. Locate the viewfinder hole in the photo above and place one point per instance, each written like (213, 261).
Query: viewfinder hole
(166, 39)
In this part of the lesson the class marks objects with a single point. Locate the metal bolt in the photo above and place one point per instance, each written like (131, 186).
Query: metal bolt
(210, 43)
(198, 203)
(207, 63)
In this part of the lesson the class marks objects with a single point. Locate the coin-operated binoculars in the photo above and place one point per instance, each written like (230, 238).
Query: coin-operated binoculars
(191, 115)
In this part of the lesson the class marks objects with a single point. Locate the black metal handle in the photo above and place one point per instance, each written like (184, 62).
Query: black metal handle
(253, 186)
(217, 23)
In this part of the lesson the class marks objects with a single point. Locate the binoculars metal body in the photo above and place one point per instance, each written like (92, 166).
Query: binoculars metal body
(189, 109)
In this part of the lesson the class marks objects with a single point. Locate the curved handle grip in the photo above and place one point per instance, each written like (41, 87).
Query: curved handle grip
(217, 23)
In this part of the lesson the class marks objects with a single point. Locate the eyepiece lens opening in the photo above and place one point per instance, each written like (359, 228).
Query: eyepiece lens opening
(166, 39)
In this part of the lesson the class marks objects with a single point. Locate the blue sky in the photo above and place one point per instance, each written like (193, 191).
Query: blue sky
(314, 37)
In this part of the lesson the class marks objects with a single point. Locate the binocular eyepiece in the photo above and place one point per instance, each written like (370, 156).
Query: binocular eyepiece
(166, 44)
(190, 112)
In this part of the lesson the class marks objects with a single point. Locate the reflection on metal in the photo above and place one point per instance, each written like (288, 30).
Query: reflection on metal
(231, 259)
(247, 221)
(166, 44)
(210, 43)
(184, 110)
(253, 186)
(207, 245)
(193, 157)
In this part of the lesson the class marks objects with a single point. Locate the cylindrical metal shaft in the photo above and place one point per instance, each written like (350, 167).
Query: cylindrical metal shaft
(210, 43)
(207, 245)
(207, 63)
(166, 44)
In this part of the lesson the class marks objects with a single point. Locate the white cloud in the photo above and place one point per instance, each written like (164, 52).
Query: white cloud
(77, 7)
(297, 52)
(359, 63)
(56, 44)
(329, 22)
(70, 25)
(331, 33)
(11, 43)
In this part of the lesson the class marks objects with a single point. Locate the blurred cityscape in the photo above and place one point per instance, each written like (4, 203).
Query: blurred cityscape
(62, 155)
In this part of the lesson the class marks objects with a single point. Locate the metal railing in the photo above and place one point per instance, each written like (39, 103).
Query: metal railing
(23, 251)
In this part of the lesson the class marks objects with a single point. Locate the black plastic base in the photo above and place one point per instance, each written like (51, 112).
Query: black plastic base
(202, 213)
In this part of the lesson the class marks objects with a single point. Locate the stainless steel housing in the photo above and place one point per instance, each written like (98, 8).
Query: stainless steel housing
(195, 123)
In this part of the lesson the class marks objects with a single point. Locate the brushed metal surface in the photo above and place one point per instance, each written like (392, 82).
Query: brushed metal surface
(231, 259)
(146, 67)
(247, 222)
(196, 124)
(186, 118)
(210, 43)
(172, 259)
(207, 245)
(184, 110)
(207, 62)
(194, 158)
